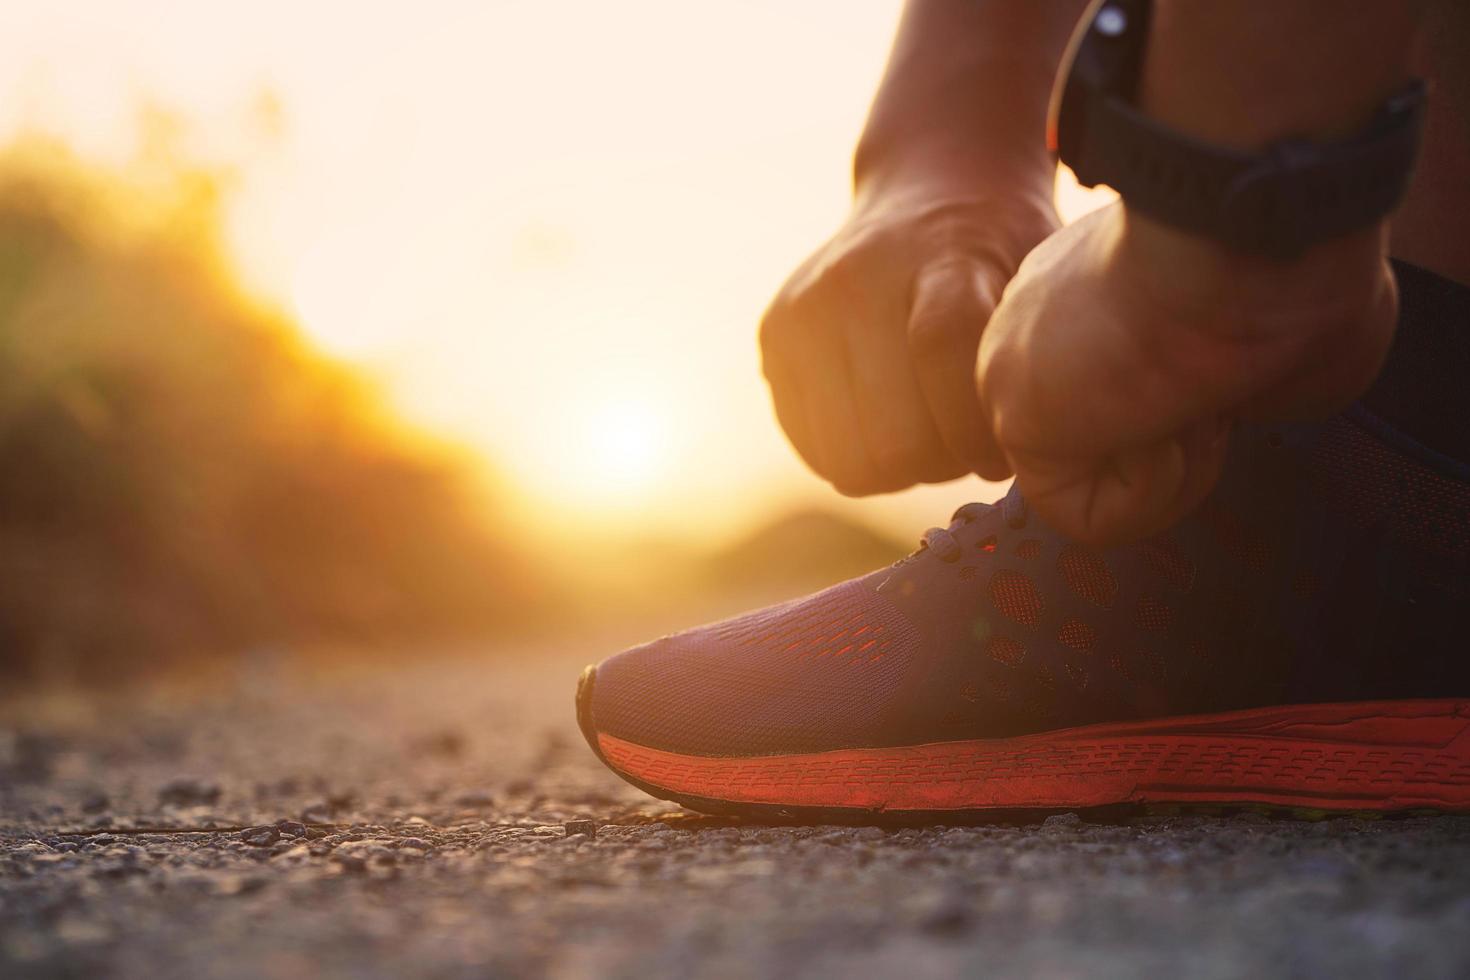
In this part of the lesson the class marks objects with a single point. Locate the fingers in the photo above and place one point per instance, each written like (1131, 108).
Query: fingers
(837, 354)
(870, 351)
(1131, 493)
(894, 418)
(806, 367)
(790, 407)
(831, 403)
(953, 300)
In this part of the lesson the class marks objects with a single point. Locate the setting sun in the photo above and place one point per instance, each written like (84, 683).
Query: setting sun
(625, 445)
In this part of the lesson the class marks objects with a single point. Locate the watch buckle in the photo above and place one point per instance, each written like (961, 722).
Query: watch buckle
(1263, 204)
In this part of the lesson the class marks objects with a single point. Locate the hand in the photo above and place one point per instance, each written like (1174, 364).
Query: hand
(870, 346)
(1123, 350)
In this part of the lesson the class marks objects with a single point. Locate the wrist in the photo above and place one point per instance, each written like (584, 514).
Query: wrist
(1207, 287)
(923, 173)
(940, 218)
(1251, 337)
(964, 96)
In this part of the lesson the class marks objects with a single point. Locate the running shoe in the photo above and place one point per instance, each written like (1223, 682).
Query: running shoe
(1300, 641)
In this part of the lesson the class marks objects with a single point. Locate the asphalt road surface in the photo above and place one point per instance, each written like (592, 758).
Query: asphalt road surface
(445, 820)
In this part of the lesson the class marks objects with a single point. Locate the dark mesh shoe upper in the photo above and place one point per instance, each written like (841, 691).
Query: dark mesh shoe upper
(1332, 562)
(804, 676)
(1292, 582)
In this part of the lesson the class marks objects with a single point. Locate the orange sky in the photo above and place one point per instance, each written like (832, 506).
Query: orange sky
(549, 228)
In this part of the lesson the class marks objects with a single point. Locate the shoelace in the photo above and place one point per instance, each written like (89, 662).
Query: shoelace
(941, 541)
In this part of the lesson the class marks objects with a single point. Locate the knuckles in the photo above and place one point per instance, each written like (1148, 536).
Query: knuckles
(808, 306)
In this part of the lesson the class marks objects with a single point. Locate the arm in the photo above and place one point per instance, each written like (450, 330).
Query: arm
(869, 347)
(965, 96)
(1126, 348)
(1250, 72)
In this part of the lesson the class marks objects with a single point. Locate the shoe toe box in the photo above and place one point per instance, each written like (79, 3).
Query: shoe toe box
(806, 676)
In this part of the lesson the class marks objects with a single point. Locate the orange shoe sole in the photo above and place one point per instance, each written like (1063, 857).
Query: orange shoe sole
(1378, 756)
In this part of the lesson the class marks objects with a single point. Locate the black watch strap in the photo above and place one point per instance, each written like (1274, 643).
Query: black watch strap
(1278, 202)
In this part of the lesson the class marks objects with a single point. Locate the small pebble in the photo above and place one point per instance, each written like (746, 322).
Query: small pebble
(1061, 821)
(259, 836)
(587, 827)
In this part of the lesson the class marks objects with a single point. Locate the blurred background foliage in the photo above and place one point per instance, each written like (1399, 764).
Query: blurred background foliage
(179, 475)
(183, 480)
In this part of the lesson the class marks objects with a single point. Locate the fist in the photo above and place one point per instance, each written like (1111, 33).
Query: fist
(1122, 351)
(869, 348)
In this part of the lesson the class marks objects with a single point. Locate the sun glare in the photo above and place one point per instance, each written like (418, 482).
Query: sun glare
(511, 208)
(608, 453)
(625, 445)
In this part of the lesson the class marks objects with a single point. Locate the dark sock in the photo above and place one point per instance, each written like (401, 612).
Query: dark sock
(1424, 388)
(1394, 615)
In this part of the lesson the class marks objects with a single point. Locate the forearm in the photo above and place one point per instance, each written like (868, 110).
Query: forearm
(964, 98)
(1250, 73)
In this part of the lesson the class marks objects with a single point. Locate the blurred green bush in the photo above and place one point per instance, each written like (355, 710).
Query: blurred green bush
(181, 478)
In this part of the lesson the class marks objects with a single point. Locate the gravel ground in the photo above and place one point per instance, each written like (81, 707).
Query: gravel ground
(445, 820)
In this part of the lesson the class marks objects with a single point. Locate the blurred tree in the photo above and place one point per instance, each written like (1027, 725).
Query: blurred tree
(180, 477)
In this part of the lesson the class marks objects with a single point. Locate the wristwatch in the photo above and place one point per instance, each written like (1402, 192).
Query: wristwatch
(1277, 202)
